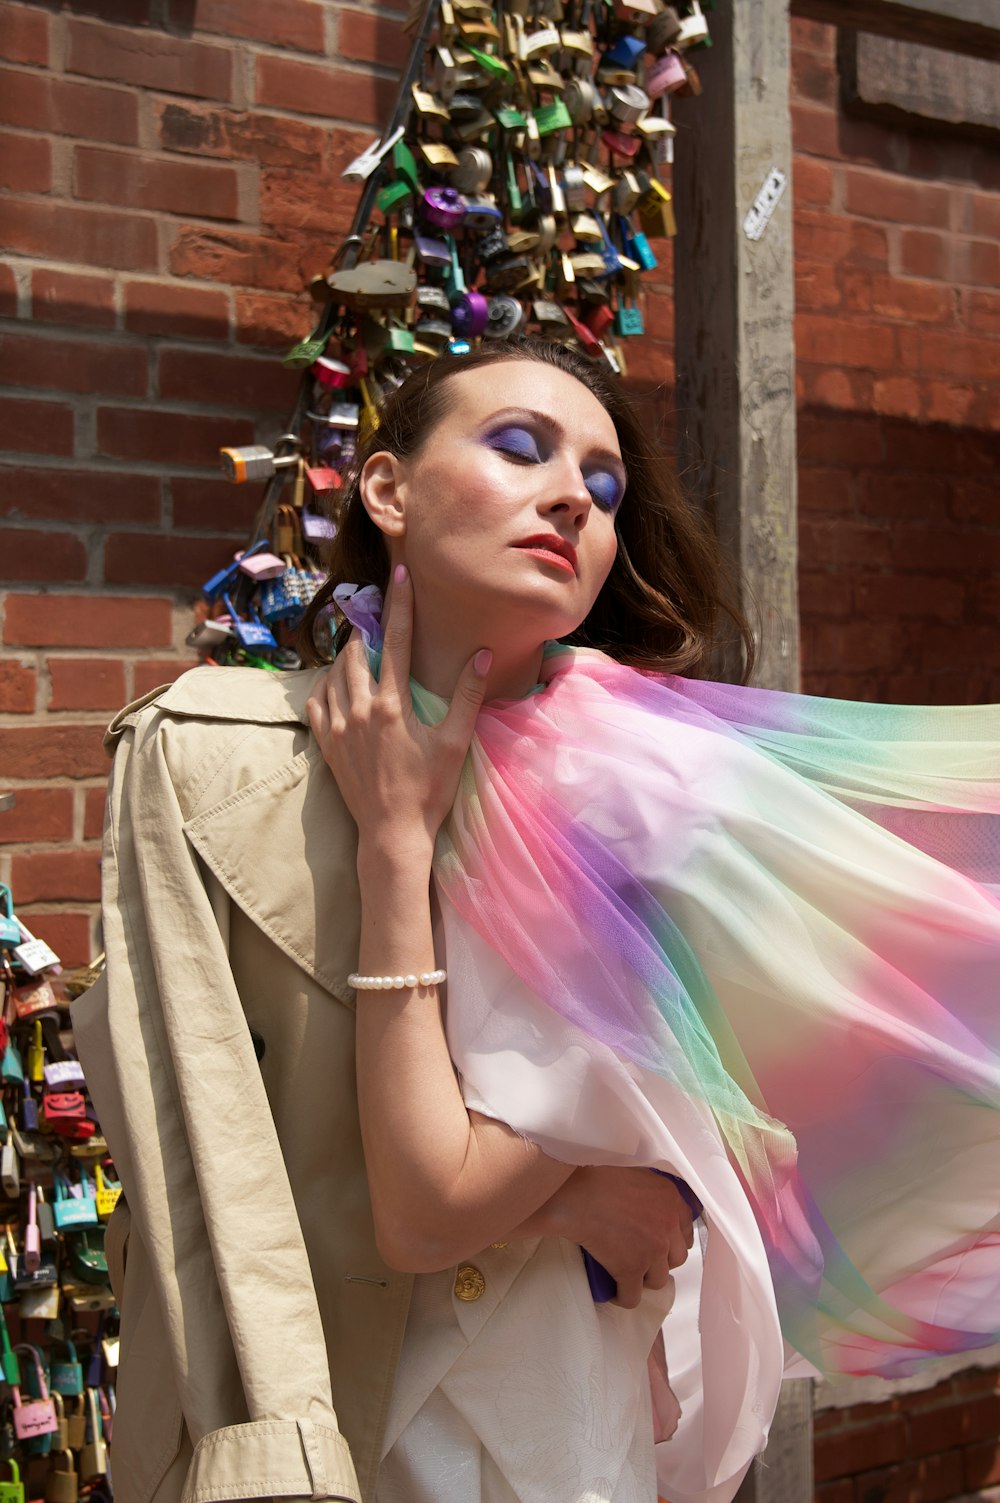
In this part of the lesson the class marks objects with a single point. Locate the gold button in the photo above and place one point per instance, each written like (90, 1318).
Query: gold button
(469, 1283)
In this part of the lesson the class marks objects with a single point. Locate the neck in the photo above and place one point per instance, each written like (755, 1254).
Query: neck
(442, 648)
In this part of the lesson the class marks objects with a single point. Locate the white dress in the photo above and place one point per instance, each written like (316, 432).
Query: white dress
(528, 1393)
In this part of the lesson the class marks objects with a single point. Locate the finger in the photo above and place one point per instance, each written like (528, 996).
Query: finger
(467, 700)
(677, 1250)
(629, 1292)
(395, 674)
(357, 675)
(658, 1274)
(319, 715)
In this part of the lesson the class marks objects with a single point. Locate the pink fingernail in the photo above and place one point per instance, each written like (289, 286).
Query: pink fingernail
(482, 661)
(399, 574)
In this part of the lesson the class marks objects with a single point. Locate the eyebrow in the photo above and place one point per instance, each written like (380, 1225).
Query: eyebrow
(556, 429)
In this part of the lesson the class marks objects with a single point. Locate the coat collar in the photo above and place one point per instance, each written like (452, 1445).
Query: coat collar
(282, 844)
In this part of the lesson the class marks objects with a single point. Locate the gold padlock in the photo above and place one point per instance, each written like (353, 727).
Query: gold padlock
(94, 1453)
(76, 1422)
(61, 1483)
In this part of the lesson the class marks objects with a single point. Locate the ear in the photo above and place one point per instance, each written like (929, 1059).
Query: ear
(383, 493)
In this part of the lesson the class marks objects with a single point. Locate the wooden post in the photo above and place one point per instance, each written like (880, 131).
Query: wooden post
(734, 308)
(784, 1474)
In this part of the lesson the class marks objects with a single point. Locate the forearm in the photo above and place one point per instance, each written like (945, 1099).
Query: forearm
(444, 1184)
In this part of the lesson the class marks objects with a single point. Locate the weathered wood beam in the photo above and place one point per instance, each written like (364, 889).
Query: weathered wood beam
(971, 26)
(734, 303)
(784, 1474)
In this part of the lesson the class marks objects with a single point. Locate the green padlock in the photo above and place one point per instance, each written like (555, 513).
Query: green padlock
(66, 1371)
(12, 1491)
(552, 117)
(405, 166)
(393, 194)
(629, 320)
(401, 340)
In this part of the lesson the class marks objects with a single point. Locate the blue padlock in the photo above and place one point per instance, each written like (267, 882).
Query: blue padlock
(252, 634)
(10, 929)
(625, 53)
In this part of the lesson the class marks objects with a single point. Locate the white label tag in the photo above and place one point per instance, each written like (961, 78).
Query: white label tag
(764, 205)
(365, 162)
(35, 955)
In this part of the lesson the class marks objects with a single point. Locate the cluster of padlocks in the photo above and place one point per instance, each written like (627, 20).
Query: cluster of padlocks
(517, 189)
(58, 1320)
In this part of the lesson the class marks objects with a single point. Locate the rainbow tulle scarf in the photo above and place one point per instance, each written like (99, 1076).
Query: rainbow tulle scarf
(754, 938)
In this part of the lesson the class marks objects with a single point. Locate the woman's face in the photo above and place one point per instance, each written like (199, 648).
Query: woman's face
(509, 506)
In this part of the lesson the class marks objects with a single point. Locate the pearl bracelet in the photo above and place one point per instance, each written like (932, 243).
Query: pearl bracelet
(395, 983)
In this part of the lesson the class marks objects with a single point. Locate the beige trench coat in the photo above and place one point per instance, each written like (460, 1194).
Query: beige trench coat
(259, 1325)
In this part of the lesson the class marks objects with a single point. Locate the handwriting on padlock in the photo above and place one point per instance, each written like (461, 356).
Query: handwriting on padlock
(365, 163)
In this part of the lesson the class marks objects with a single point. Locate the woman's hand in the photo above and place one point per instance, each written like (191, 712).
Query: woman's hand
(637, 1224)
(397, 776)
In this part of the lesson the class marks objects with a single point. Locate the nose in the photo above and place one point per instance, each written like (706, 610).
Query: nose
(570, 497)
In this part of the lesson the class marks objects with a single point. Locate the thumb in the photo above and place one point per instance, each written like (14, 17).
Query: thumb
(467, 700)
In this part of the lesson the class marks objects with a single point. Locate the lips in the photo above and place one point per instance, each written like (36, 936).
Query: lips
(552, 544)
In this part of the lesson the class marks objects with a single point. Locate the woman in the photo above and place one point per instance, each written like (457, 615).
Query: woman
(617, 871)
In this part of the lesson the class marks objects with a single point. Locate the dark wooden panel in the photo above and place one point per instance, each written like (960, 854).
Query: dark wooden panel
(971, 26)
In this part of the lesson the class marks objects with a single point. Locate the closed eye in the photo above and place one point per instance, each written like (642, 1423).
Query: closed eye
(606, 489)
(515, 443)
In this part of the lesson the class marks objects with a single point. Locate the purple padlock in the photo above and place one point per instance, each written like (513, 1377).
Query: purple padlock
(469, 315)
(665, 75)
(444, 207)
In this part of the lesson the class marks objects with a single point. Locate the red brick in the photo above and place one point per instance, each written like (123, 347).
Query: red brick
(79, 495)
(173, 65)
(958, 354)
(825, 490)
(69, 934)
(30, 359)
(210, 502)
(150, 673)
(25, 163)
(833, 341)
(841, 540)
(982, 1465)
(39, 814)
(87, 621)
(912, 595)
(69, 107)
(118, 177)
(973, 500)
(94, 804)
(841, 1491)
(173, 308)
(283, 23)
(289, 200)
(926, 1481)
(32, 427)
(861, 646)
(370, 38)
(174, 438)
(894, 496)
(17, 688)
(882, 195)
(268, 140)
(863, 1446)
(981, 311)
(824, 594)
(836, 440)
(812, 181)
(318, 89)
(8, 292)
(984, 214)
(918, 450)
(815, 130)
(874, 145)
(960, 405)
(31, 556)
(812, 36)
(136, 558)
(924, 253)
(235, 380)
(834, 387)
(898, 396)
(892, 297)
(55, 876)
(823, 236)
(24, 35)
(52, 751)
(68, 232)
(945, 548)
(274, 321)
(978, 262)
(237, 259)
(813, 78)
(86, 683)
(66, 297)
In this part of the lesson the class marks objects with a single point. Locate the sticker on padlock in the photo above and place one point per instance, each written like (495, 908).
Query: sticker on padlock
(63, 1075)
(73, 1210)
(34, 955)
(35, 996)
(252, 634)
(66, 1370)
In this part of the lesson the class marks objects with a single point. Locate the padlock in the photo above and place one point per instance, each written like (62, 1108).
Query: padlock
(443, 207)
(66, 1371)
(252, 462)
(694, 27)
(35, 1417)
(664, 29)
(474, 170)
(34, 996)
(629, 320)
(32, 1254)
(641, 250)
(8, 1361)
(108, 1190)
(10, 929)
(666, 76)
(77, 1210)
(506, 316)
(626, 192)
(94, 1454)
(62, 1483)
(29, 1108)
(656, 213)
(625, 53)
(60, 1436)
(493, 244)
(432, 249)
(481, 214)
(374, 284)
(470, 315)
(36, 1054)
(12, 1491)
(252, 634)
(599, 319)
(10, 1169)
(76, 1423)
(552, 117)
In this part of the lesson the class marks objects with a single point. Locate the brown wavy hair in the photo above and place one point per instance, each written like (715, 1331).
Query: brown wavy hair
(669, 603)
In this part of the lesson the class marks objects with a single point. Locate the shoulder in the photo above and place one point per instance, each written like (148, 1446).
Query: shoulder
(236, 696)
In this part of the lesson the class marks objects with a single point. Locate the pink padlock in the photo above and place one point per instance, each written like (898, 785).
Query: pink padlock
(444, 207)
(332, 374)
(665, 75)
(262, 565)
(37, 1416)
(469, 315)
